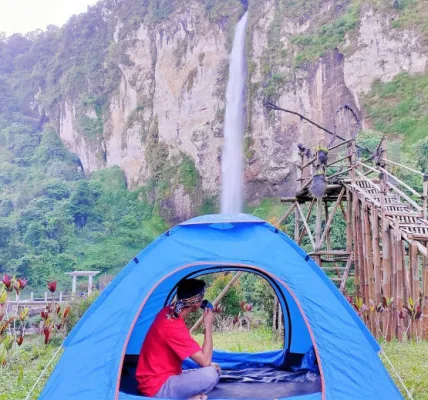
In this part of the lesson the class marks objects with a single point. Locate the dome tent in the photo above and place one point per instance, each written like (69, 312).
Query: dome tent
(315, 312)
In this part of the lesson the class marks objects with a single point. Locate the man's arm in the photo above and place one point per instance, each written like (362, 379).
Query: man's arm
(204, 356)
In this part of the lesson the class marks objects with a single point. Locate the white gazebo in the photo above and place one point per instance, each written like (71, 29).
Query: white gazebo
(89, 274)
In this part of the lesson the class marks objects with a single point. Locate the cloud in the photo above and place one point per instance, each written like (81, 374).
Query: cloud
(28, 15)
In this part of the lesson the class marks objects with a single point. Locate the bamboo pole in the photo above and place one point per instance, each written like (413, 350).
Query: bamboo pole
(296, 222)
(425, 197)
(302, 234)
(425, 293)
(386, 250)
(400, 262)
(318, 225)
(306, 225)
(218, 298)
(369, 265)
(414, 280)
(287, 214)
(355, 240)
(405, 166)
(414, 275)
(410, 189)
(330, 218)
(280, 324)
(393, 327)
(348, 220)
(346, 273)
(376, 256)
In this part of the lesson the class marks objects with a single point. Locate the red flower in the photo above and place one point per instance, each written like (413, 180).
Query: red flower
(248, 307)
(44, 315)
(47, 333)
(20, 284)
(58, 309)
(235, 319)
(66, 312)
(20, 340)
(7, 282)
(52, 286)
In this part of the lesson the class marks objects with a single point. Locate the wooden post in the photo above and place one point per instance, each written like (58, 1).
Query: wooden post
(414, 281)
(60, 296)
(348, 221)
(89, 285)
(31, 296)
(369, 265)
(386, 248)
(307, 219)
(393, 284)
(46, 297)
(414, 272)
(346, 273)
(330, 218)
(318, 230)
(74, 284)
(357, 261)
(296, 223)
(218, 298)
(353, 159)
(424, 197)
(399, 280)
(376, 256)
(425, 293)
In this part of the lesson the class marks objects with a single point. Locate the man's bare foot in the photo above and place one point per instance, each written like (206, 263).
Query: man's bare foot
(199, 397)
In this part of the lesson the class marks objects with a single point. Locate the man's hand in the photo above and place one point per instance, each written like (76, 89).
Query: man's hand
(217, 367)
(209, 317)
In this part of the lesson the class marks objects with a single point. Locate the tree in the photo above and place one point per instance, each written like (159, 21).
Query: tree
(421, 154)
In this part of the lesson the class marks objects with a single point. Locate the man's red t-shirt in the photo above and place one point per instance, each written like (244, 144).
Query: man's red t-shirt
(167, 344)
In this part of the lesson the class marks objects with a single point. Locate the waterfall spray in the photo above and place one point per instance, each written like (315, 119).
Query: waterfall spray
(232, 158)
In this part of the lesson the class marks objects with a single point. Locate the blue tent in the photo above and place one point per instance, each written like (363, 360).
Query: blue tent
(315, 313)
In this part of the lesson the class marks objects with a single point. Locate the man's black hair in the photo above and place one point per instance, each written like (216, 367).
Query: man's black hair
(189, 287)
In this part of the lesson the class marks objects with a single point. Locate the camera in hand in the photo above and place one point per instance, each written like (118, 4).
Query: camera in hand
(206, 304)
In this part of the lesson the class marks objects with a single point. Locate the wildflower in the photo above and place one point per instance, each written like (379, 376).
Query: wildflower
(7, 282)
(20, 284)
(52, 286)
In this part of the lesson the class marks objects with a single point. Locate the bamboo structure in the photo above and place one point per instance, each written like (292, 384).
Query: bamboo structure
(383, 260)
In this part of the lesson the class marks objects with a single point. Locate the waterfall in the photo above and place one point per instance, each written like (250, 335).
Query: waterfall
(232, 157)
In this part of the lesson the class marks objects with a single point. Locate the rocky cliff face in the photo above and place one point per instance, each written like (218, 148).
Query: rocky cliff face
(169, 103)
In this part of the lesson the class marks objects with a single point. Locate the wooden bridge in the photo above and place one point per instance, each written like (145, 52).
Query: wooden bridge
(384, 256)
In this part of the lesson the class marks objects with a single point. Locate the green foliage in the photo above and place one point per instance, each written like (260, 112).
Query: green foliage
(78, 308)
(327, 36)
(53, 219)
(188, 175)
(232, 300)
(257, 340)
(421, 154)
(33, 358)
(398, 107)
(219, 10)
(90, 127)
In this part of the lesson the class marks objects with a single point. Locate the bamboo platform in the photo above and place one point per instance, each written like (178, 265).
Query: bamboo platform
(384, 256)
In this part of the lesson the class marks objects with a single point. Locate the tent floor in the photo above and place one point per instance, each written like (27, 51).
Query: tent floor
(260, 383)
(252, 391)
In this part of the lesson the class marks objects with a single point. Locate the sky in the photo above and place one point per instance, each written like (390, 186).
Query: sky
(22, 16)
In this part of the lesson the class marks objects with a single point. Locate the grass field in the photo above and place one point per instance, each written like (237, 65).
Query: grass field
(410, 360)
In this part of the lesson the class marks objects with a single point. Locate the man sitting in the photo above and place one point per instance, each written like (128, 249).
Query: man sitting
(168, 343)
